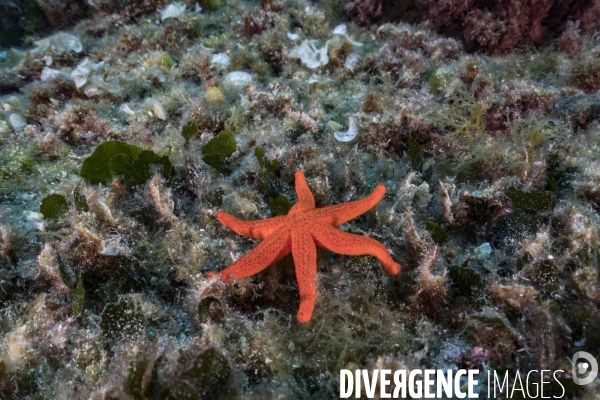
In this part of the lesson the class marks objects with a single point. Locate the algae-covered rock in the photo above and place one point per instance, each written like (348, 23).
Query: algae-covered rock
(126, 126)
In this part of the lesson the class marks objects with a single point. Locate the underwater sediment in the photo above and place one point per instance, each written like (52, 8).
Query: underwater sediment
(126, 126)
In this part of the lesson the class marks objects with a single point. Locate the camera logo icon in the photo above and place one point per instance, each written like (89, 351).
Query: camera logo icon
(585, 368)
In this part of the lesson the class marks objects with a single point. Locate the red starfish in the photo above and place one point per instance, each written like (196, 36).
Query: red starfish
(300, 232)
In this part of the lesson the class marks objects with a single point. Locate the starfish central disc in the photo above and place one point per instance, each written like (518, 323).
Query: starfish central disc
(300, 232)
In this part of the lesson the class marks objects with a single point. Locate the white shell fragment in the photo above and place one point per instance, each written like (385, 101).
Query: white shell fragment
(49, 74)
(35, 219)
(343, 31)
(112, 247)
(173, 10)
(87, 135)
(220, 61)
(351, 62)
(314, 78)
(483, 251)
(91, 91)
(159, 111)
(237, 79)
(340, 30)
(80, 74)
(350, 134)
(125, 108)
(17, 122)
(308, 53)
(59, 43)
(293, 36)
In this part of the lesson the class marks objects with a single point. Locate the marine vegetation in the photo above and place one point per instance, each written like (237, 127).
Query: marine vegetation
(129, 130)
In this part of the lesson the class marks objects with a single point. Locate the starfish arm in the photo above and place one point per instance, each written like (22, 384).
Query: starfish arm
(353, 245)
(342, 213)
(306, 201)
(253, 229)
(304, 252)
(273, 248)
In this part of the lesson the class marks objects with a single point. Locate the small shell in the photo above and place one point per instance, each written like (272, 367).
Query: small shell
(350, 134)
(293, 36)
(125, 108)
(483, 251)
(173, 10)
(80, 74)
(80, 80)
(320, 79)
(340, 30)
(343, 31)
(159, 111)
(309, 55)
(92, 91)
(87, 135)
(59, 43)
(17, 121)
(237, 79)
(49, 74)
(220, 61)
(35, 219)
(351, 61)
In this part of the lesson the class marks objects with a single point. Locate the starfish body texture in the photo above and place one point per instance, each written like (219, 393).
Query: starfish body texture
(300, 232)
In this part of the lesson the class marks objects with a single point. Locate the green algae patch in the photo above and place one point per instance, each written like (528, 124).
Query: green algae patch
(136, 378)
(96, 168)
(268, 171)
(115, 158)
(220, 148)
(136, 171)
(54, 206)
(512, 228)
(524, 260)
(531, 202)
(211, 4)
(10, 58)
(189, 130)
(166, 61)
(464, 116)
(121, 320)
(78, 297)
(81, 204)
(438, 234)
(204, 307)
(64, 272)
(279, 204)
(469, 283)
(307, 378)
(438, 80)
(544, 272)
(203, 380)
(75, 284)
(416, 155)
